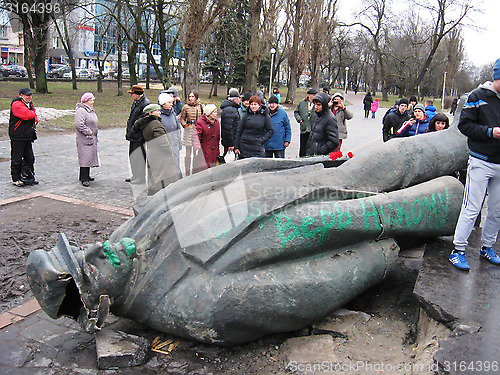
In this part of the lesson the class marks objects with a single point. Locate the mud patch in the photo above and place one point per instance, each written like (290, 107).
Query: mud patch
(34, 224)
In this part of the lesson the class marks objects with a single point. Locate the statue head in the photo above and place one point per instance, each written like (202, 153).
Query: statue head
(81, 282)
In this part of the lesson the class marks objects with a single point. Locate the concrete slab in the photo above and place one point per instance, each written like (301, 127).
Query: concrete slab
(468, 302)
(119, 349)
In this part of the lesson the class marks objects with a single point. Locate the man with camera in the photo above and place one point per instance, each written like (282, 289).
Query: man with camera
(341, 114)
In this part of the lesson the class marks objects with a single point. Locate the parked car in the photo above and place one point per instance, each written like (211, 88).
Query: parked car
(80, 74)
(54, 67)
(94, 73)
(4, 71)
(125, 74)
(16, 70)
(152, 73)
(59, 72)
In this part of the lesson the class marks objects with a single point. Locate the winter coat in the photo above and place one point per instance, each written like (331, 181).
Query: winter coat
(136, 112)
(23, 120)
(86, 127)
(160, 163)
(304, 114)
(367, 102)
(392, 122)
(431, 111)
(282, 130)
(177, 106)
(324, 137)
(374, 107)
(419, 127)
(341, 116)
(229, 121)
(479, 115)
(254, 130)
(241, 111)
(189, 115)
(173, 127)
(207, 137)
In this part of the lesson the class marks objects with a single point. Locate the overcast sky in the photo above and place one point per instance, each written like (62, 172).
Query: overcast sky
(481, 46)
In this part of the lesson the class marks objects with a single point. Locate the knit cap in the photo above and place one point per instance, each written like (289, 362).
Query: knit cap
(273, 99)
(86, 97)
(151, 107)
(209, 108)
(496, 70)
(419, 106)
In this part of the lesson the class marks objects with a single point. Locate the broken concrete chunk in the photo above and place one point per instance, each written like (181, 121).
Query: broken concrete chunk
(119, 349)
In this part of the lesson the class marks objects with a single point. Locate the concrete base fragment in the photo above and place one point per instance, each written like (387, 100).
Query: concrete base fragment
(119, 349)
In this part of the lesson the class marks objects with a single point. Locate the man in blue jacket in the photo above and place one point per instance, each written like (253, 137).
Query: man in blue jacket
(480, 122)
(282, 135)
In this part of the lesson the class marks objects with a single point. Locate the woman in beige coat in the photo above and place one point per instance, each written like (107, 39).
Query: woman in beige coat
(188, 117)
(86, 127)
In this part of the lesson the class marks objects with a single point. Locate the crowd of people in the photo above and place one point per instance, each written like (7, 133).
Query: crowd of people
(250, 128)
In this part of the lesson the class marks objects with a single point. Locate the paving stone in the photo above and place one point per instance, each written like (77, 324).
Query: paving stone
(26, 309)
(119, 349)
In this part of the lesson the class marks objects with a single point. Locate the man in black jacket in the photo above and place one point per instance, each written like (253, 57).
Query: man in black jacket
(480, 122)
(136, 151)
(324, 137)
(230, 119)
(393, 121)
(22, 133)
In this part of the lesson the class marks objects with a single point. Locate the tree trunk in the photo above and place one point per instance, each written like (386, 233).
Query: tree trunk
(27, 60)
(292, 58)
(253, 58)
(191, 70)
(131, 58)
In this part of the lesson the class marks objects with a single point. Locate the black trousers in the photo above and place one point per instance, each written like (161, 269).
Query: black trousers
(84, 174)
(22, 159)
(275, 153)
(304, 137)
(137, 158)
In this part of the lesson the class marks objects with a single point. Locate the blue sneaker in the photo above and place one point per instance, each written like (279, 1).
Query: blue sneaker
(489, 253)
(459, 261)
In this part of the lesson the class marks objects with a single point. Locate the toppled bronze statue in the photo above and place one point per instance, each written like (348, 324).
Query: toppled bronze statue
(258, 246)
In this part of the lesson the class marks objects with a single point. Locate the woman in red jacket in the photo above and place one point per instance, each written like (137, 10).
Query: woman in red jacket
(206, 138)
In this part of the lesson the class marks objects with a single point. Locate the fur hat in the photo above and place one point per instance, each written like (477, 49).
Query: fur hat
(150, 108)
(273, 99)
(209, 108)
(496, 70)
(86, 97)
(233, 93)
(136, 89)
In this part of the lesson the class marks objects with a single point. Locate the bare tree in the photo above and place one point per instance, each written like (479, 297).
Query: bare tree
(373, 20)
(447, 16)
(35, 16)
(263, 20)
(199, 17)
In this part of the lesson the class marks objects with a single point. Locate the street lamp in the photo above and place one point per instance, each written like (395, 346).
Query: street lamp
(273, 51)
(345, 82)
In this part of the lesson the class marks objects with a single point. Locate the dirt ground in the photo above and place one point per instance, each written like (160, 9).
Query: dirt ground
(35, 224)
(384, 330)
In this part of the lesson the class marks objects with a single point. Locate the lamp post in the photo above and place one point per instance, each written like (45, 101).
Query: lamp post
(345, 83)
(273, 51)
